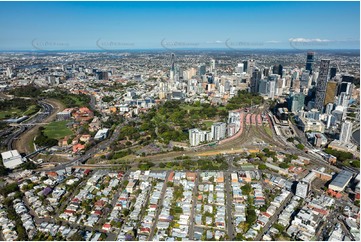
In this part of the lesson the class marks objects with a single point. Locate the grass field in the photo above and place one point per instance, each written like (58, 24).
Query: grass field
(10, 113)
(57, 130)
(31, 110)
(189, 107)
(15, 112)
(208, 124)
(268, 130)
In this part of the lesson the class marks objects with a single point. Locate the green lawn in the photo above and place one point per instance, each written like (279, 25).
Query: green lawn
(268, 130)
(15, 112)
(31, 110)
(189, 107)
(57, 130)
(10, 113)
(208, 124)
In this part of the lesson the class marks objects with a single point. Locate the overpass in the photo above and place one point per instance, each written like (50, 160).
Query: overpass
(35, 152)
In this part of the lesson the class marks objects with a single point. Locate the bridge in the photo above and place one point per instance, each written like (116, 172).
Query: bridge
(35, 152)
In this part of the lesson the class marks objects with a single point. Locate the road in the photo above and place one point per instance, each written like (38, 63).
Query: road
(194, 203)
(89, 153)
(35, 118)
(229, 206)
(273, 218)
(159, 208)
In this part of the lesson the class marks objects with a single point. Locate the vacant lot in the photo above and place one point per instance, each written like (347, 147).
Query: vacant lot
(57, 130)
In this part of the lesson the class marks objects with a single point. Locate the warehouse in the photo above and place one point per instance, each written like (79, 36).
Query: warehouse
(341, 180)
(11, 159)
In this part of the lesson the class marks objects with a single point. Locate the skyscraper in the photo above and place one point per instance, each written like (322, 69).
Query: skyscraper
(277, 69)
(310, 60)
(239, 68)
(321, 85)
(346, 131)
(296, 102)
(256, 76)
(245, 66)
(202, 69)
(213, 65)
(251, 64)
(172, 62)
(333, 72)
(172, 68)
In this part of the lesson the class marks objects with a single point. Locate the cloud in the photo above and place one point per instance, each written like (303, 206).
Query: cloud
(215, 42)
(273, 42)
(304, 40)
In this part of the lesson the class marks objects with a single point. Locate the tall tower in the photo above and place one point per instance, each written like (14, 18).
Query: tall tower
(310, 60)
(172, 62)
(256, 76)
(172, 68)
(213, 65)
(346, 131)
(321, 85)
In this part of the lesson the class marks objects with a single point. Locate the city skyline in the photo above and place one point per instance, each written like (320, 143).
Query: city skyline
(179, 25)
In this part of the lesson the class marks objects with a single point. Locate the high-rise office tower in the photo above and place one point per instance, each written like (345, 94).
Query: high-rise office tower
(333, 72)
(296, 102)
(310, 60)
(263, 86)
(266, 71)
(250, 66)
(239, 68)
(201, 69)
(256, 76)
(245, 66)
(321, 85)
(344, 87)
(278, 69)
(346, 131)
(213, 65)
(272, 89)
(172, 68)
(172, 62)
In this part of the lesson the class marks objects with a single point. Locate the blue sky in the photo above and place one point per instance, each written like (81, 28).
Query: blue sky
(122, 25)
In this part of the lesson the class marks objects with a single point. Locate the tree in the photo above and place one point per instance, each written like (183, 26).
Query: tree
(262, 166)
(300, 146)
(251, 216)
(10, 188)
(279, 227)
(77, 237)
(246, 189)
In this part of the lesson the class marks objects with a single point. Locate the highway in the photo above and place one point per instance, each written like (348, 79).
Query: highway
(92, 151)
(47, 109)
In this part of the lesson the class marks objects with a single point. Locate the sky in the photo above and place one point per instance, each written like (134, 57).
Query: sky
(169, 25)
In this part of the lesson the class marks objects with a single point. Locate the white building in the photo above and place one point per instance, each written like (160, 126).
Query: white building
(11, 159)
(194, 138)
(101, 134)
(218, 130)
(346, 131)
(302, 189)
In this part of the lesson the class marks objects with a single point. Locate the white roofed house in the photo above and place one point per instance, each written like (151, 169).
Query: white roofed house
(11, 159)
